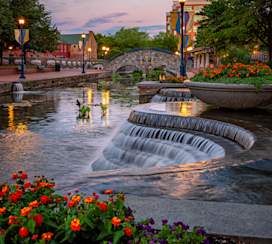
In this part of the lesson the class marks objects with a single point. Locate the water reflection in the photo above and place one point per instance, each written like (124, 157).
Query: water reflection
(19, 129)
(186, 108)
(105, 102)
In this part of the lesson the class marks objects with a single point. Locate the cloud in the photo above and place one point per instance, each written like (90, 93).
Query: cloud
(94, 22)
(151, 28)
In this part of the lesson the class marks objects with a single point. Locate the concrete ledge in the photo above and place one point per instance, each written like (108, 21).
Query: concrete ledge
(230, 219)
(163, 120)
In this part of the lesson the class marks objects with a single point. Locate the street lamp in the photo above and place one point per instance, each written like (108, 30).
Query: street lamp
(182, 62)
(89, 51)
(21, 22)
(83, 36)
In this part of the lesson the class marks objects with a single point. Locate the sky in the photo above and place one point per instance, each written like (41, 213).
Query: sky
(108, 16)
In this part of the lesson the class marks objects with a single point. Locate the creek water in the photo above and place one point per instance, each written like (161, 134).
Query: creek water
(43, 136)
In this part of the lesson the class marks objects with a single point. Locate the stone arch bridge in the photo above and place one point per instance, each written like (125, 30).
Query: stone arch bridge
(145, 59)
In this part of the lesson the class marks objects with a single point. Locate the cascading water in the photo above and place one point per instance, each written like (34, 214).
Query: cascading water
(17, 87)
(138, 146)
(172, 95)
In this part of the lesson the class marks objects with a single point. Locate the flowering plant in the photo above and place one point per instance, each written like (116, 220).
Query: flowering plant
(31, 212)
(235, 70)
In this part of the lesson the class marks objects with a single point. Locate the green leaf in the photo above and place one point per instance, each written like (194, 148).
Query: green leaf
(117, 236)
(31, 225)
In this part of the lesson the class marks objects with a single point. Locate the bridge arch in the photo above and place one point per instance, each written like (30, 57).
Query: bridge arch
(144, 59)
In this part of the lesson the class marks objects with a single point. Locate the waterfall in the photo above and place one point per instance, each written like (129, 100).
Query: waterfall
(139, 146)
(17, 87)
(172, 95)
(232, 132)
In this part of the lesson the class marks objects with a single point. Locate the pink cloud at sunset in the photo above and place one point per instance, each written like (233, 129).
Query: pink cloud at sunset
(107, 16)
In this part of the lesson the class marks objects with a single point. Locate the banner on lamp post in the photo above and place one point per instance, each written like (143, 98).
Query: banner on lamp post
(21, 36)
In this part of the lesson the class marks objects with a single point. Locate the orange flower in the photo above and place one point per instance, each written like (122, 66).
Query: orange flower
(5, 189)
(25, 211)
(47, 236)
(88, 200)
(75, 225)
(23, 232)
(128, 231)
(3, 210)
(107, 192)
(34, 204)
(116, 221)
(76, 198)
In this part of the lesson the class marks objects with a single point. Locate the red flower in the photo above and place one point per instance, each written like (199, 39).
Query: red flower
(107, 192)
(128, 231)
(27, 185)
(45, 199)
(58, 200)
(71, 204)
(38, 219)
(103, 206)
(34, 237)
(65, 198)
(14, 176)
(14, 197)
(23, 176)
(12, 220)
(23, 232)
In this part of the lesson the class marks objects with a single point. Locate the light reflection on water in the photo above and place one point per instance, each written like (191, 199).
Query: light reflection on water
(48, 139)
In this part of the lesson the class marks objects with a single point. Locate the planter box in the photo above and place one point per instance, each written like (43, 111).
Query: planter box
(233, 96)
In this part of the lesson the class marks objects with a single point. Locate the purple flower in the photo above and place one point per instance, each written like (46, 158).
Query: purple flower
(201, 231)
(164, 221)
(151, 221)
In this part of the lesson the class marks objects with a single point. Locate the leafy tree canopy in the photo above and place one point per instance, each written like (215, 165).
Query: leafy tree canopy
(240, 23)
(43, 34)
(129, 38)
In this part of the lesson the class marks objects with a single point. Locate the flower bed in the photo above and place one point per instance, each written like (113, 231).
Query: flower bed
(31, 212)
(255, 74)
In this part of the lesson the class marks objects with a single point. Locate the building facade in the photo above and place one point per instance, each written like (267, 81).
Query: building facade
(192, 19)
(70, 46)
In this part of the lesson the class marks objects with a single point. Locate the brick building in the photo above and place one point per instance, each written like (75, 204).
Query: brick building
(70, 46)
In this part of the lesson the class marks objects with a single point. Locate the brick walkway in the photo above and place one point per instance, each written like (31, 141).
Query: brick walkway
(46, 75)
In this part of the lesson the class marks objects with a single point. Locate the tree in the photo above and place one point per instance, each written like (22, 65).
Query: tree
(44, 35)
(129, 38)
(6, 26)
(240, 23)
(165, 41)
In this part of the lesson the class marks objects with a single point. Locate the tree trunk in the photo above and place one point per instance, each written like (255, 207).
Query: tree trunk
(270, 52)
(1, 54)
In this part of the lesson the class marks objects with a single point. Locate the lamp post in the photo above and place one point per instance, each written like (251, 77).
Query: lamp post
(83, 36)
(182, 61)
(89, 52)
(21, 25)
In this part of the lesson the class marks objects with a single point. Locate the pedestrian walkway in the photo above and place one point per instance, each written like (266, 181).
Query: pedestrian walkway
(221, 218)
(46, 75)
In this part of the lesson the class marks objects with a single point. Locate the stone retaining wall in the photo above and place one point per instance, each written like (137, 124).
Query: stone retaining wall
(30, 85)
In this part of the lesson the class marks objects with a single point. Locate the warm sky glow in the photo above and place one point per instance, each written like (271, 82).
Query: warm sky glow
(107, 16)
